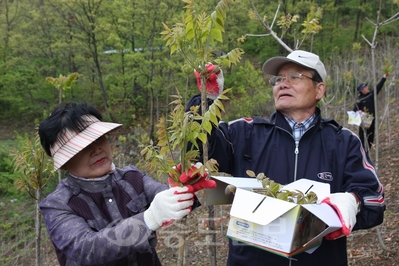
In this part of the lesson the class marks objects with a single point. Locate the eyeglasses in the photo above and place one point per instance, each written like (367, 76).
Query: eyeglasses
(293, 78)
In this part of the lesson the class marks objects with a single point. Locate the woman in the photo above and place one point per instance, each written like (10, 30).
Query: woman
(101, 214)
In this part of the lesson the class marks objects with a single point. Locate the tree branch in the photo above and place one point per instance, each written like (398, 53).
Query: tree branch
(269, 29)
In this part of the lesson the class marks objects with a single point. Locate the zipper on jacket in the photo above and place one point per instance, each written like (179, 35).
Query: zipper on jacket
(296, 151)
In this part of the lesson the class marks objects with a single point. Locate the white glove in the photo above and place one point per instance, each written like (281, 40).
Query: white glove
(346, 206)
(167, 206)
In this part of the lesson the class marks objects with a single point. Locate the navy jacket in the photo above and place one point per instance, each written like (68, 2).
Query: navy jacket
(365, 102)
(326, 153)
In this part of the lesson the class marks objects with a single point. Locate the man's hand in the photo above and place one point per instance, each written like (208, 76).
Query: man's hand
(346, 206)
(386, 75)
(167, 206)
(192, 179)
(214, 83)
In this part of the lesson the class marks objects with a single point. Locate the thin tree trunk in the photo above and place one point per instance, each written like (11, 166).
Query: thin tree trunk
(38, 227)
(102, 86)
(388, 120)
(376, 135)
(212, 234)
(181, 258)
(59, 102)
(211, 208)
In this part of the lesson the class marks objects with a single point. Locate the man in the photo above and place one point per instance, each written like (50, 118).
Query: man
(294, 143)
(365, 102)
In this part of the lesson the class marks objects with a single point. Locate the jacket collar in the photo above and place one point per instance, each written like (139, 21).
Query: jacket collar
(75, 185)
(278, 119)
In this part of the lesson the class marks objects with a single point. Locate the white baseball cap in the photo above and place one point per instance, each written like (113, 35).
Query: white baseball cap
(303, 58)
(70, 142)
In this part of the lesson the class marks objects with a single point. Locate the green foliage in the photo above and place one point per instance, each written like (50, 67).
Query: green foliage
(250, 95)
(138, 77)
(20, 89)
(62, 83)
(15, 219)
(7, 175)
(276, 190)
(285, 22)
(281, 23)
(178, 138)
(195, 40)
(16, 227)
(388, 66)
(32, 164)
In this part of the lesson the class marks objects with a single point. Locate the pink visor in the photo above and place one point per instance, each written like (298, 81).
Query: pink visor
(69, 142)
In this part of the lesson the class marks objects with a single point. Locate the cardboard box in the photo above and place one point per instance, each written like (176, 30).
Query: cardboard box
(217, 196)
(278, 226)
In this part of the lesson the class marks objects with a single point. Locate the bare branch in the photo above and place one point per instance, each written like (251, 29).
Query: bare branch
(391, 19)
(269, 29)
(366, 40)
(275, 14)
(369, 20)
(257, 35)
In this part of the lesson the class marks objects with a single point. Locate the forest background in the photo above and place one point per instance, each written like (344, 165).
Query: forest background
(125, 69)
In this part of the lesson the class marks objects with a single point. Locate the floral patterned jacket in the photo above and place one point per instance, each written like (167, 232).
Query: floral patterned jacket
(101, 222)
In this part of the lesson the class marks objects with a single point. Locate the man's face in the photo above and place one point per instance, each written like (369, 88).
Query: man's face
(365, 90)
(93, 161)
(299, 99)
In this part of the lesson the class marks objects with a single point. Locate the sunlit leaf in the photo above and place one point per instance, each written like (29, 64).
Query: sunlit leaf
(202, 137)
(250, 173)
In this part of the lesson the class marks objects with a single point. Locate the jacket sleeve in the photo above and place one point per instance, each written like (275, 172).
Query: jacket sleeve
(360, 178)
(196, 101)
(355, 107)
(220, 148)
(85, 245)
(380, 84)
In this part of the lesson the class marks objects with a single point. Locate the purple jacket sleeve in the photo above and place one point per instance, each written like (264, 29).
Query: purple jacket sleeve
(79, 241)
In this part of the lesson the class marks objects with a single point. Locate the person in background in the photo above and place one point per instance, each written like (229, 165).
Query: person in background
(365, 103)
(297, 142)
(101, 214)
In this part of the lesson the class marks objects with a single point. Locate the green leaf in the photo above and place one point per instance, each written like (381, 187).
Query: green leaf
(219, 103)
(207, 126)
(203, 137)
(214, 119)
(220, 24)
(190, 34)
(274, 187)
(144, 151)
(217, 34)
(173, 48)
(282, 196)
(70, 79)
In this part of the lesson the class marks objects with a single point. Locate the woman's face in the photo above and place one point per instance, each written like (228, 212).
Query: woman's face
(93, 161)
